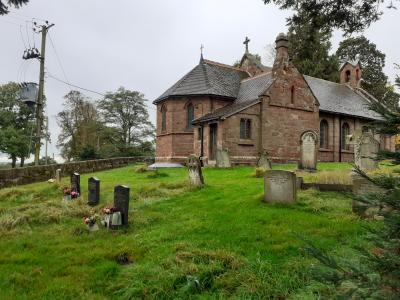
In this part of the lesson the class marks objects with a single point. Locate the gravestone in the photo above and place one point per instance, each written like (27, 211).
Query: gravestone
(76, 183)
(264, 162)
(93, 191)
(363, 187)
(58, 175)
(308, 151)
(280, 186)
(195, 173)
(223, 160)
(121, 202)
(365, 152)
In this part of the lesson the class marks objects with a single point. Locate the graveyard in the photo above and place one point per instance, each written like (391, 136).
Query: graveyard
(219, 240)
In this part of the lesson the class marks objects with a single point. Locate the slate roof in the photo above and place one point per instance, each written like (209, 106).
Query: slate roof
(250, 90)
(207, 78)
(339, 98)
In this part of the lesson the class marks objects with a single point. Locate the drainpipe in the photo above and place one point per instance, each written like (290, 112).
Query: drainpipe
(202, 145)
(340, 139)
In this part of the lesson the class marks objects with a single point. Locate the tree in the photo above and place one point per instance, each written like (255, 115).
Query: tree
(16, 3)
(309, 47)
(349, 15)
(374, 80)
(16, 124)
(80, 124)
(126, 112)
(376, 275)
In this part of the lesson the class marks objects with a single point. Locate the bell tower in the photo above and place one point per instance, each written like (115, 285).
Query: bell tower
(350, 73)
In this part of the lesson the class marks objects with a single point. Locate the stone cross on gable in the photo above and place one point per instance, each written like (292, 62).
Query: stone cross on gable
(246, 42)
(201, 49)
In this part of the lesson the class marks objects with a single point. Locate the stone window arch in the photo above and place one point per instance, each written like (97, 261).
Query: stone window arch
(347, 76)
(345, 132)
(163, 118)
(245, 129)
(324, 134)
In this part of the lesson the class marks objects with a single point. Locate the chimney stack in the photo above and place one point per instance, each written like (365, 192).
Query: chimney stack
(282, 52)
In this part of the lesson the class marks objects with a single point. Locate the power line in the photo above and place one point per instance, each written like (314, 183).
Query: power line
(58, 59)
(75, 86)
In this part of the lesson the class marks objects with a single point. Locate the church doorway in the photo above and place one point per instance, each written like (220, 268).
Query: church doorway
(213, 141)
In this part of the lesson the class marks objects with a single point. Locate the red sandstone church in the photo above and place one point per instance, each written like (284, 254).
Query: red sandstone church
(255, 109)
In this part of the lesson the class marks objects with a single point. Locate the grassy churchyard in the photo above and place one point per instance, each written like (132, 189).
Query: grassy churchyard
(221, 241)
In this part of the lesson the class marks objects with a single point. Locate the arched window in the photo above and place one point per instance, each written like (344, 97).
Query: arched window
(292, 95)
(323, 132)
(345, 133)
(163, 118)
(190, 115)
(348, 74)
(245, 128)
(357, 74)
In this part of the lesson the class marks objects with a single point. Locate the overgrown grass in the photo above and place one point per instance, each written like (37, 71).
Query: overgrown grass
(217, 242)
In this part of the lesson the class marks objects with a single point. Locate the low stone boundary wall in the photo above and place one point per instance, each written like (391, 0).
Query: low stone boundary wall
(18, 176)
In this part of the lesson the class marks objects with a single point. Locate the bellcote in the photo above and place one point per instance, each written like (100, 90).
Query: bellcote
(350, 73)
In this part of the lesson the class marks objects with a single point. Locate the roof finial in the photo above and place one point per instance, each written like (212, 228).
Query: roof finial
(246, 42)
(201, 53)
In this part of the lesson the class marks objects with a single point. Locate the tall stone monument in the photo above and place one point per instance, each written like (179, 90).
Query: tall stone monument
(76, 183)
(308, 151)
(195, 174)
(264, 162)
(58, 175)
(280, 186)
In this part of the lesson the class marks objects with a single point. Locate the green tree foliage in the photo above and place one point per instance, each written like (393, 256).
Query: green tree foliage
(349, 15)
(309, 47)
(16, 3)
(376, 274)
(126, 112)
(16, 124)
(372, 61)
(81, 126)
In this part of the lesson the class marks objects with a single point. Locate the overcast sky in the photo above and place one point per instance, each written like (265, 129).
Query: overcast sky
(146, 45)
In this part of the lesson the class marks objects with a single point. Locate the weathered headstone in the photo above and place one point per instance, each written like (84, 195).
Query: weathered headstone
(121, 202)
(76, 183)
(195, 173)
(365, 152)
(223, 160)
(93, 191)
(362, 187)
(280, 186)
(58, 175)
(308, 151)
(264, 162)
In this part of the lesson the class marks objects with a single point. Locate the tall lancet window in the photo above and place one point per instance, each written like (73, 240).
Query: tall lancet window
(323, 132)
(345, 132)
(163, 118)
(190, 116)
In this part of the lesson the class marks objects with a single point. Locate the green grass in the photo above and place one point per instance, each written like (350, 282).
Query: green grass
(217, 242)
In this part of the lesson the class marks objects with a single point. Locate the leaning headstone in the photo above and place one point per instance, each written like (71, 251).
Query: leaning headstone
(308, 151)
(223, 160)
(76, 184)
(58, 175)
(280, 186)
(195, 174)
(121, 203)
(365, 152)
(93, 191)
(264, 162)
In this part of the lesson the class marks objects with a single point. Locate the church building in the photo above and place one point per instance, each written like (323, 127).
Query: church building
(254, 109)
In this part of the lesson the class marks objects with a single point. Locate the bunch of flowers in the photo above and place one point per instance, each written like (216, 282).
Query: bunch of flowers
(74, 194)
(108, 210)
(90, 221)
(66, 191)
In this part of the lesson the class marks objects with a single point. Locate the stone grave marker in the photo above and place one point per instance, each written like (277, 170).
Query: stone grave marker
(76, 183)
(280, 186)
(365, 152)
(93, 191)
(58, 175)
(264, 162)
(308, 151)
(121, 202)
(195, 174)
(223, 160)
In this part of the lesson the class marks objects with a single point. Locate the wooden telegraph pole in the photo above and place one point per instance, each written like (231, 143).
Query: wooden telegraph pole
(39, 105)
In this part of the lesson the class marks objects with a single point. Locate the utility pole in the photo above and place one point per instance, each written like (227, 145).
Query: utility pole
(47, 140)
(39, 105)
